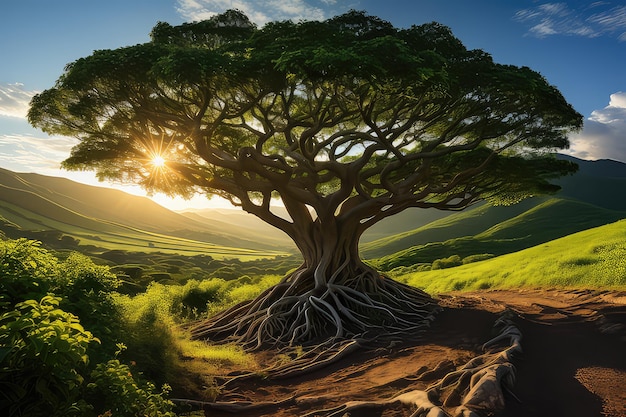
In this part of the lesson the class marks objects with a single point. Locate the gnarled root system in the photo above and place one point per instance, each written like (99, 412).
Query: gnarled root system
(320, 313)
(472, 390)
(477, 388)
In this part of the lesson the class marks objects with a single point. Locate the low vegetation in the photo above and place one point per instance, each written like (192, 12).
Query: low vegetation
(72, 344)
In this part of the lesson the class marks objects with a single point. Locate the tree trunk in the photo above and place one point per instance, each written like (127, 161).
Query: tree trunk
(332, 297)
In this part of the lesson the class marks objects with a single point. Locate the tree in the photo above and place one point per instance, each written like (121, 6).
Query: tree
(345, 121)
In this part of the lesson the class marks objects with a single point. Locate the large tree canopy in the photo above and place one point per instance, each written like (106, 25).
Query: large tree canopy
(346, 121)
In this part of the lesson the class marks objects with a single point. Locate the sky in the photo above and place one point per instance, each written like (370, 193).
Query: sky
(578, 46)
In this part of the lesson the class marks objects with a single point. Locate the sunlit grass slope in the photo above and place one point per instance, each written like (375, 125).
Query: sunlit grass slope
(594, 258)
(95, 215)
(551, 219)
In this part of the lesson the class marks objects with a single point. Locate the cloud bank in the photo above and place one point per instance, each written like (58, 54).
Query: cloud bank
(14, 100)
(604, 132)
(599, 18)
(259, 11)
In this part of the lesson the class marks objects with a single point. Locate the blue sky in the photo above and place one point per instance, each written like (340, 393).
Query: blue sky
(579, 46)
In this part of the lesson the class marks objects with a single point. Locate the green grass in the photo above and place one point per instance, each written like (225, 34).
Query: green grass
(594, 258)
(551, 219)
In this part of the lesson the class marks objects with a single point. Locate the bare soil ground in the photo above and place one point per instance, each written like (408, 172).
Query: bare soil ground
(573, 361)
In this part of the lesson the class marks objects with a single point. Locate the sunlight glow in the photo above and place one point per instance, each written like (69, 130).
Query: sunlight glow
(158, 161)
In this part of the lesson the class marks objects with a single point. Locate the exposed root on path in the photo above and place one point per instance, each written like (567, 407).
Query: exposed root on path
(475, 389)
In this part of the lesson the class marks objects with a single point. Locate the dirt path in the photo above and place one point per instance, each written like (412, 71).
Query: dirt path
(573, 362)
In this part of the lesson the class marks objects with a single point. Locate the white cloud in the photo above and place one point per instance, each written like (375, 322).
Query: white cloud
(598, 19)
(259, 11)
(604, 132)
(34, 154)
(14, 100)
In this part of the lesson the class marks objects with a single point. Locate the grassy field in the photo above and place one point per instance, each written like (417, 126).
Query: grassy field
(594, 258)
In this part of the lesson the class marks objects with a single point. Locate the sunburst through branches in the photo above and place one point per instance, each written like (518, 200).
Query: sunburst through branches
(157, 161)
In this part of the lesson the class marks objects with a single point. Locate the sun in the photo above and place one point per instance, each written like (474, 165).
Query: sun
(158, 161)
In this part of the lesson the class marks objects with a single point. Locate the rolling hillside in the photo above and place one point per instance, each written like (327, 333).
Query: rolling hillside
(551, 219)
(598, 186)
(593, 258)
(110, 219)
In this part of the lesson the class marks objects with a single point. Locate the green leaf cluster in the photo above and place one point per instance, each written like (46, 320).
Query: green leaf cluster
(114, 388)
(43, 357)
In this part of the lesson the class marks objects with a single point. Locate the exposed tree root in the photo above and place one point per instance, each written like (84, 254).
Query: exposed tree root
(320, 313)
(313, 360)
(472, 390)
(237, 406)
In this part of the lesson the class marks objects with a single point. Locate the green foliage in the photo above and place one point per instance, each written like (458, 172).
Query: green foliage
(477, 258)
(46, 355)
(152, 320)
(115, 391)
(27, 271)
(349, 116)
(448, 262)
(150, 333)
(43, 355)
(86, 290)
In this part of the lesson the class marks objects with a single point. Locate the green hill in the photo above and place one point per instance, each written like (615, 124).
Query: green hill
(65, 213)
(594, 258)
(453, 225)
(597, 183)
(550, 219)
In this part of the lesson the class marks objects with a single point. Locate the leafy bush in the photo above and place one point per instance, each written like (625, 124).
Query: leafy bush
(45, 351)
(196, 295)
(449, 262)
(86, 290)
(43, 355)
(115, 391)
(27, 271)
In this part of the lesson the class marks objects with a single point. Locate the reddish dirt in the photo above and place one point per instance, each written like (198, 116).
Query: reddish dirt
(573, 362)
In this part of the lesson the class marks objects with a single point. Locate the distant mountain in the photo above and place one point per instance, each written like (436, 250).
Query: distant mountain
(599, 185)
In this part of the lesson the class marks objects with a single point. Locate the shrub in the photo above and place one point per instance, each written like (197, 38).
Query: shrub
(43, 354)
(449, 262)
(27, 271)
(86, 290)
(477, 258)
(114, 390)
(196, 295)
